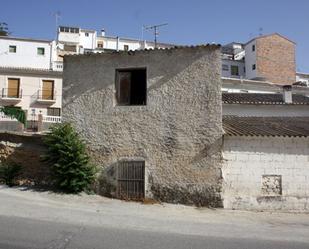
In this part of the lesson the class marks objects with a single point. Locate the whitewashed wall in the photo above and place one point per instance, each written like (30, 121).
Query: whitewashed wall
(244, 110)
(241, 69)
(26, 53)
(250, 60)
(248, 159)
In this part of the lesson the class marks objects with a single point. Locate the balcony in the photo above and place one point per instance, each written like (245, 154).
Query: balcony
(57, 66)
(11, 95)
(47, 97)
(51, 119)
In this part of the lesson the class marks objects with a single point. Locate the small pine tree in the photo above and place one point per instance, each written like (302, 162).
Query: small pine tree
(67, 157)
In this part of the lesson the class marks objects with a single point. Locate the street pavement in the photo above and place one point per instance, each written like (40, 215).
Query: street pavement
(32, 219)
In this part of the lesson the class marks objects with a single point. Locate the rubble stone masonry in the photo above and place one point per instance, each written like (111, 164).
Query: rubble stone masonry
(178, 133)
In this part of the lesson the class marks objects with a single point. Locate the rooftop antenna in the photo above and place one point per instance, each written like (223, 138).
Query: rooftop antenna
(57, 16)
(155, 31)
(260, 31)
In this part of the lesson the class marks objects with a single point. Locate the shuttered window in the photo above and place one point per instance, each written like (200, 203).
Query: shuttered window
(48, 90)
(13, 88)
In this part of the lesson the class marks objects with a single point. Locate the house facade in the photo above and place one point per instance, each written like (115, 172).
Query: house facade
(267, 58)
(29, 80)
(151, 120)
(266, 163)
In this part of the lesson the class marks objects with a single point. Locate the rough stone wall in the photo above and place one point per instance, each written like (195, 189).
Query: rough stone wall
(266, 173)
(25, 150)
(178, 133)
(275, 59)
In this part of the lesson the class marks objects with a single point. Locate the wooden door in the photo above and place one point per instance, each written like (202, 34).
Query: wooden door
(48, 89)
(13, 88)
(131, 180)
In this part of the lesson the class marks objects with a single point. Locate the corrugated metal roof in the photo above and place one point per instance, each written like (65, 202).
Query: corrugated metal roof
(266, 126)
(262, 99)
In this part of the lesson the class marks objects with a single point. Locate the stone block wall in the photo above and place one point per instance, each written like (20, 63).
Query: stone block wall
(266, 173)
(177, 134)
(275, 59)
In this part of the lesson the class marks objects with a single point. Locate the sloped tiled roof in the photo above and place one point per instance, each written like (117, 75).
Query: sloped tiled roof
(266, 126)
(262, 99)
(147, 50)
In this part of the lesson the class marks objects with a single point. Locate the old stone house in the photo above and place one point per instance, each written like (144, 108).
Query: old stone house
(152, 121)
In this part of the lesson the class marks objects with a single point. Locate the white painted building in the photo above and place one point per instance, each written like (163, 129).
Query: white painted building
(302, 79)
(30, 78)
(77, 40)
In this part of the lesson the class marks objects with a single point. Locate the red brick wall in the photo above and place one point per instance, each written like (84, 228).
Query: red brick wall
(275, 59)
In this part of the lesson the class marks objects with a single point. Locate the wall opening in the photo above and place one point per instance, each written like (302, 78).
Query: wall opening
(131, 180)
(131, 86)
(271, 185)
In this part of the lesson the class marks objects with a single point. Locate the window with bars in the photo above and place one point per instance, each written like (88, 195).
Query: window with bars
(51, 111)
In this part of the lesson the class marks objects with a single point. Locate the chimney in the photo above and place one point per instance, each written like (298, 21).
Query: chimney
(287, 94)
(102, 32)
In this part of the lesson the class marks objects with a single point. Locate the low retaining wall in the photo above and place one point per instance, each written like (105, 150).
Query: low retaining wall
(25, 150)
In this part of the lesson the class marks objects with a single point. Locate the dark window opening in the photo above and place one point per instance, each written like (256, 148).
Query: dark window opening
(12, 49)
(126, 47)
(253, 48)
(253, 67)
(131, 87)
(234, 70)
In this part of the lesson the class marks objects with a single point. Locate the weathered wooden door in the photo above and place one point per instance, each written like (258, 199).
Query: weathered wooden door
(48, 89)
(131, 180)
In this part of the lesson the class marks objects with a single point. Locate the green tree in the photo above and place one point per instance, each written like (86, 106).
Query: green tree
(66, 154)
(14, 112)
(4, 31)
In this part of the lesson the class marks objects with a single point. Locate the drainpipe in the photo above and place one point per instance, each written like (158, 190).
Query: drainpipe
(51, 55)
(287, 94)
(117, 44)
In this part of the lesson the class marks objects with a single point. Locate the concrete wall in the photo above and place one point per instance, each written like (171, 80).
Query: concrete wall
(275, 59)
(255, 167)
(178, 133)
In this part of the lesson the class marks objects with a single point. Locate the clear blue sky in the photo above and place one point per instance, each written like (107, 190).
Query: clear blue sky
(189, 22)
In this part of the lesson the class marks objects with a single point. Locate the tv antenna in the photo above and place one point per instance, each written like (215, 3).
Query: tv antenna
(57, 16)
(155, 29)
(260, 31)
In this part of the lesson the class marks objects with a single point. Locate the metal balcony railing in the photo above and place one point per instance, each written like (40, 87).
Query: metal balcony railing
(46, 95)
(13, 93)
